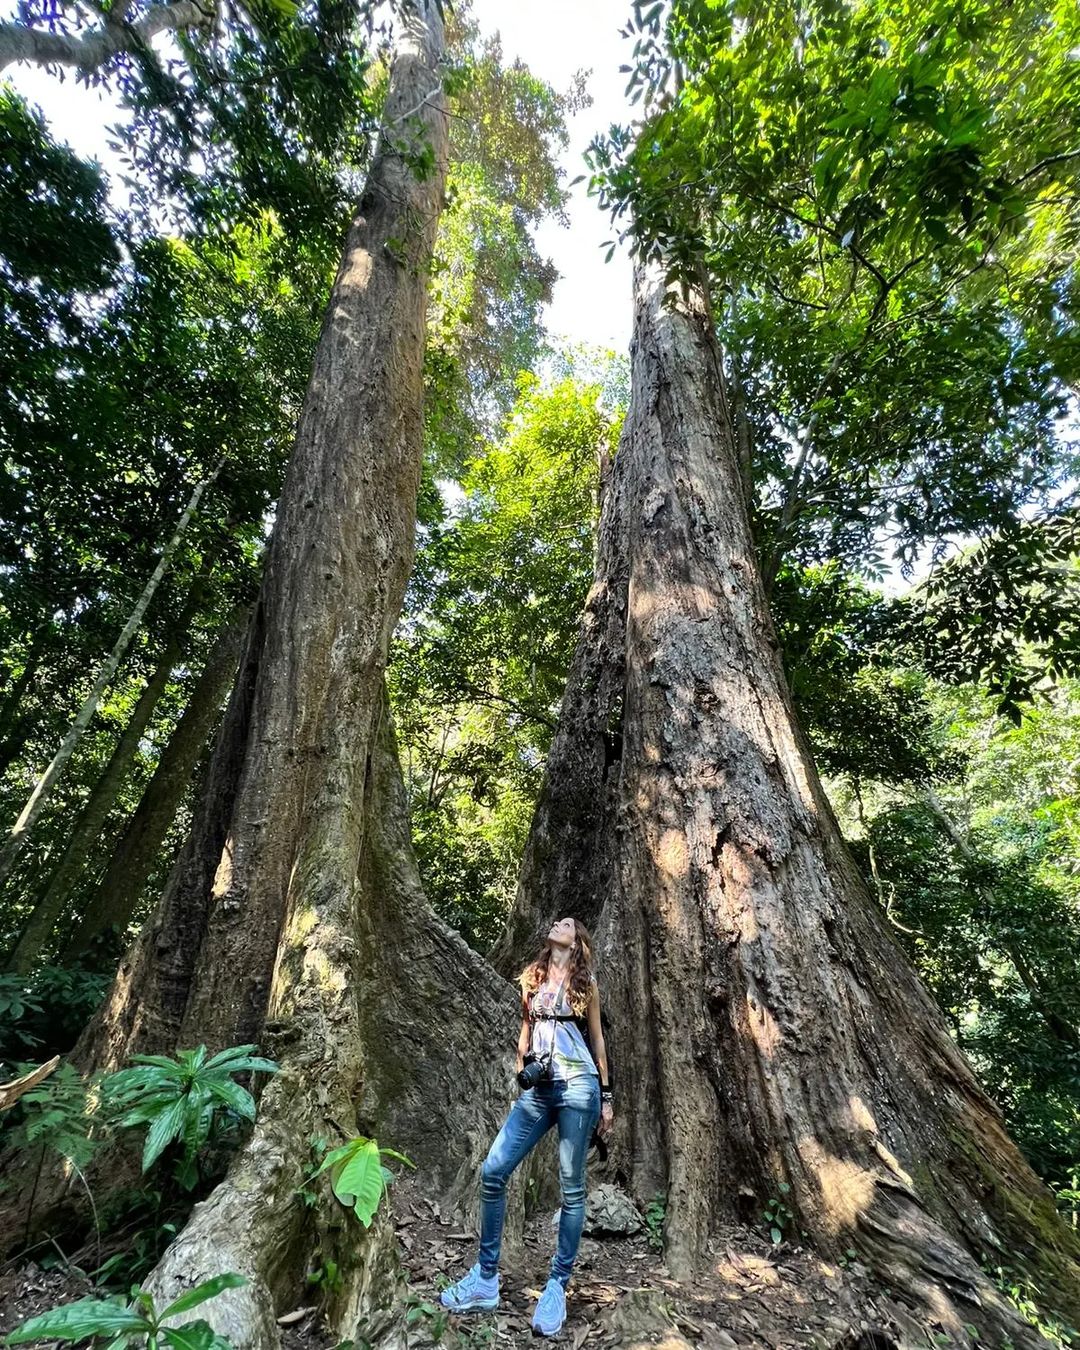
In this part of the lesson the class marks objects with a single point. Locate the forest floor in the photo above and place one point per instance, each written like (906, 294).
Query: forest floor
(754, 1296)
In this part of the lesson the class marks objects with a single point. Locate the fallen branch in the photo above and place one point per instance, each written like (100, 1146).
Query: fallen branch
(11, 1092)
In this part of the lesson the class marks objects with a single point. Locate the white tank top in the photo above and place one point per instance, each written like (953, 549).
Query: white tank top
(570, 1055)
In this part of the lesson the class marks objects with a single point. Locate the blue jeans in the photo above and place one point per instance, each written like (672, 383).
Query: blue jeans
(573, 1106)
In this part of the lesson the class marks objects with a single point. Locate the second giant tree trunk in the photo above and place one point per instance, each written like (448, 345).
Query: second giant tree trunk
(765, 1026)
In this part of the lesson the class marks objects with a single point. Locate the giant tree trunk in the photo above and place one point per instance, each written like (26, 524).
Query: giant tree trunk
(292, 915)
(116, 895)
(279, 826)
(764, 1022)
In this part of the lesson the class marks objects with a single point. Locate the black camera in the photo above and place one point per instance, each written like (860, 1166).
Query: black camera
(536, 1068)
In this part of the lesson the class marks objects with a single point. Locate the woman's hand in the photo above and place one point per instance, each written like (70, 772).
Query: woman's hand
(607, 1120)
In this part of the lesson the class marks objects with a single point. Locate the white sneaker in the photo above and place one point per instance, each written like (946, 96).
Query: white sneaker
(471, 1291)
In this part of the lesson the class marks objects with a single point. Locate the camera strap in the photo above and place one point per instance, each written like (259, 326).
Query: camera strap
(553, 1016)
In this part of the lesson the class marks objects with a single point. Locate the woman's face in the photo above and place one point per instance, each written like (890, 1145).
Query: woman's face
(563, 933)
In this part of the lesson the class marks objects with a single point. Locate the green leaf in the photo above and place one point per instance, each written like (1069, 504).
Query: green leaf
(253, 1064)
(337, 1155)
(201, 1292)
(775, 1234)
(194, 1336)
(238, 1098)
(167, 1127)
(227, 1056)
(77, 1321)
(160, 1061)
(937, 229)
(359, 1183)
(393, 1153)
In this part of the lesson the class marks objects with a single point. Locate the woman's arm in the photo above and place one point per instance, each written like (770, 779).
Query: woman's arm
(599, 1049)
(596, 1037)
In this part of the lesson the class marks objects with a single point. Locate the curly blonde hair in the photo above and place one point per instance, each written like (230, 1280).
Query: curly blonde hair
(580, 977)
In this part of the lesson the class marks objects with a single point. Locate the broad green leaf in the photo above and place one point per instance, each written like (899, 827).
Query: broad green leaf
(168, 1126)
(201, 1292)
(159, 1061)
(194, 1336)
(393, 1153)
(340, 1154)
(253, 1064)
(359, 1181)
(227, 1056)
(77, 1321)
(233, 1095)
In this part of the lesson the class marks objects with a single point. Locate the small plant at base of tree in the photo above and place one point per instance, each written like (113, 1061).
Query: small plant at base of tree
(179, 1099)
(55, 1116)
(655, 1212)
(93, 1317)
(140, 1255)
(433, 1318)
(777, 1214)
(326, 1278)
(1022, 1293)
(358, 1177)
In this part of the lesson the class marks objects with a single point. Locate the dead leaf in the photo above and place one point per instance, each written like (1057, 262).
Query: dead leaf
(513, 1324)
(297, 1315)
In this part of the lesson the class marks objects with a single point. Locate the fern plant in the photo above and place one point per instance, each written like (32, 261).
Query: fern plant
(110, 1317)
(182, 1099)
(56, 1115)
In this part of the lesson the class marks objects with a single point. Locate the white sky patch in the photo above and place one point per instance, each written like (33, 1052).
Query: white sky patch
(592, 300)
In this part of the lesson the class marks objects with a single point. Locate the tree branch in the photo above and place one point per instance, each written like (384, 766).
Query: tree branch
(93, 49)
(791, 500)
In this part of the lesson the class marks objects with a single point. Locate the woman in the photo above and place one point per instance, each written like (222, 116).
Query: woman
(559, 997)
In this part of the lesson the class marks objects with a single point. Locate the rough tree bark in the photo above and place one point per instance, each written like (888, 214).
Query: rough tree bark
(292, 916)
(406, 1034)
(771, 1026)
(116, 895)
